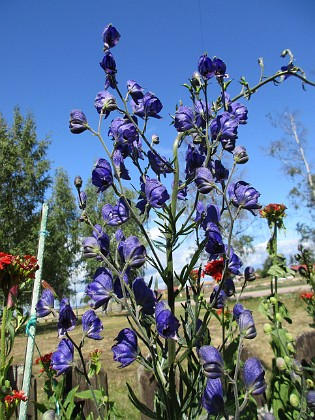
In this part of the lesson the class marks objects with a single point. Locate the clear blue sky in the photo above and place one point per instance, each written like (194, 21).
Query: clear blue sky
(50, 54)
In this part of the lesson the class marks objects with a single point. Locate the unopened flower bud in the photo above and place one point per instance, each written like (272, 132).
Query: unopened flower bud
(78, 182)
(309, 383)
(273, 300)
(196, 80)
(240, 155)
(249, 274)
(289, 337)
(294, 400)
(267, 328)
(155, 139)
(291, 348)
(279, 317)
(297, 367)
(280, 363)
(288, 360)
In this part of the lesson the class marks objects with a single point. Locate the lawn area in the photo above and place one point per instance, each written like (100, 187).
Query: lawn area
(47, 340)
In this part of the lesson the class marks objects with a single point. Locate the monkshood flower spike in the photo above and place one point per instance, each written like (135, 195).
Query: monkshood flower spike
(126, 349)
(211, 361)
(254, 376)
(62, 358)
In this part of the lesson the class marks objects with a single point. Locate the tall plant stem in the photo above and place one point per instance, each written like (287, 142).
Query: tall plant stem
(275, 248)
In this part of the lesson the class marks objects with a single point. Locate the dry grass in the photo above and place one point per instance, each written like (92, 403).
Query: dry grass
(47, 340)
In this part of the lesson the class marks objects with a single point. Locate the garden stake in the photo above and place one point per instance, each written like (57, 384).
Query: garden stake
(32, 328)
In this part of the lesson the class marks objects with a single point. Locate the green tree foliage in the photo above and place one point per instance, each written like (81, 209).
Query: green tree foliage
(24, 179)
(62, 244)
(94, 205)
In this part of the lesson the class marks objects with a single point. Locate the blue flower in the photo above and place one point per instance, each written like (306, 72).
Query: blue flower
(249, 274)
(158, 164)
(246, 324)
(204, 180)
(212, 398)
(237, 310)
(132, 252)
(211, 361)
(254, 376)
(45, 304)
(240, 155)
(62, 358)
(102, 239)
(119, 164)
(194, 160)
(123, 131)
(126, 349)
(144, 296)
(148, 106)
(67, 319)
(108, 64)
(166, 323)
(224, 127)
(110, 37)
(219, 298)
(102, 176)
(135, 91)
(78, 121)
(101, 287)
(116, 215)
(244, 196)
(239, 111)
(184, 119)
(153, 194)
(215, 243)
(92, 325)
(105, 103)
(206, 67)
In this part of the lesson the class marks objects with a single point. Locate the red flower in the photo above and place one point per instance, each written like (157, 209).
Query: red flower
(194, 274)
(214, 269)
(307, 295)
(273, 212)
(15, 396)
(5, 259)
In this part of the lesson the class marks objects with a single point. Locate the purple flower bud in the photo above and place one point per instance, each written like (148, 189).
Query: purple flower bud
(240, 155)
(102, 176)
(237, 310)
(215, 243)
(45, 304)
(219, 298)
(254, 376)
(219, 67)
(144, 296)
(116, 215)
(249, 274)
(246, 325)
(132, 252)
(105, 103)
(166, 323)
(211, 361)
(310, 399)
(148, 106)
(108, 64)
(135, 91)
(92, 325)
(101, 288)
(244, 196)
(119, 164)
(110, 37)
(126, 349)
(184, 119)
(206, 67)
(78, 121)
(158, 164)
(204, 180)
(62, 358)
(67, 319)
(212, 398)
(78, 182)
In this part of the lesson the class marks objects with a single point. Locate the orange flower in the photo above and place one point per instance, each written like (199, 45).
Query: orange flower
(194, 274)
(273, 212)
(214, 269)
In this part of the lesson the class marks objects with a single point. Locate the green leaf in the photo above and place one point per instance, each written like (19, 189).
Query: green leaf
(139, 405)
(87, 394)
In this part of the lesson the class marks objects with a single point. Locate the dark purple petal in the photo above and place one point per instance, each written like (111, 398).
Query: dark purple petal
(249, 274)
(102, 176)
(67, 319)
(105, 103)
(144, 296)
(240, 155)
(211, 361)
(159, 164)
(126, 349)
(135, 91)
(92, 325)
(219, 297)
(62, 358)
(254, 376)
(132, 252)
(166, 323)
(237, 310)
(91, 247)
(206, 67)
(212, 399)
(45, 304)
(110, 36)
(148, 106)
(78, 121)
(184, 119)
(243, 195)
(204, 180)
(246, 324)
(101, 288)
(116, 215)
